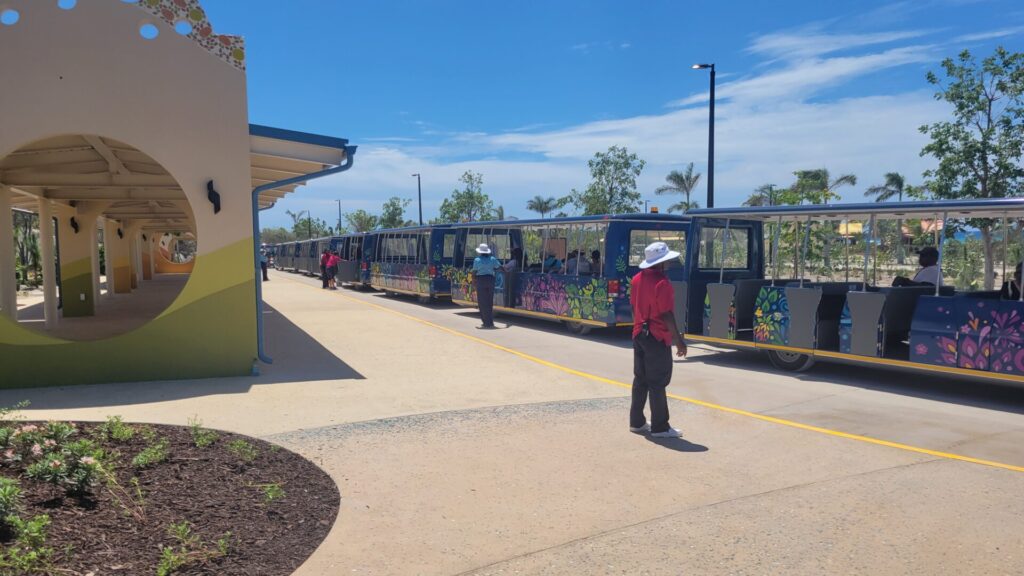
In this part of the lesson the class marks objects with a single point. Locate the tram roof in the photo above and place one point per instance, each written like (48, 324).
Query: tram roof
(639, 217)
(990, 208)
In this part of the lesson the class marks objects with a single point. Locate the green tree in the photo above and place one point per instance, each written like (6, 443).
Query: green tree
(305, 226)
(361, 220)
(276, 235)
(612, 189)
(764, 195)
(393, 213)
(894, 187)
(681, 183)
(469, 204)
(542, 205)
(979, 150)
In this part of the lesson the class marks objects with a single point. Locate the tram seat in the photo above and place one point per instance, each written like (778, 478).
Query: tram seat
(682, 307)
(719, 313)
(747, 290)
(899, 309)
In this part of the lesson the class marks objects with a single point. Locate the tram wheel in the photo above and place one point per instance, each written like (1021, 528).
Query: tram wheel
(578, 327)
(790, 361)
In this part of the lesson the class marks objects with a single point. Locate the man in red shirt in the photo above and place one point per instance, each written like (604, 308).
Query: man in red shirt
(654, 331)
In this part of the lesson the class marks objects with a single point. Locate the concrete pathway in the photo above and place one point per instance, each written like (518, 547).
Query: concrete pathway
(454, 456)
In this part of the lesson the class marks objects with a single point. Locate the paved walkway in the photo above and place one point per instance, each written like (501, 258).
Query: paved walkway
(454, 456)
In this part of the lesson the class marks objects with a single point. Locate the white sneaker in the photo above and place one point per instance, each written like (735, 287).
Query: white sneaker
(641, 430)
(670, 433)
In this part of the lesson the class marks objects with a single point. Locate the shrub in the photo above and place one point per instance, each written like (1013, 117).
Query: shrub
(28, 553)
(152, 454)
(244, 450)
(115, 429)
(59, 432)
(201, 436)
(76, 467)
(271, 492)
(10, 499)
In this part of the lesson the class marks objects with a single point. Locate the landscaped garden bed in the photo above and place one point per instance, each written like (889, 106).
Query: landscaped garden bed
(134, 499)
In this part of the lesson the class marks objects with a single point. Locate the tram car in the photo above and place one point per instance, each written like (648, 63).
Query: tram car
(409, 261)
(573, 270)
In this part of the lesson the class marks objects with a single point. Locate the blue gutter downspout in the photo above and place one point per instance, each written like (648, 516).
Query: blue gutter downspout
(350, 152)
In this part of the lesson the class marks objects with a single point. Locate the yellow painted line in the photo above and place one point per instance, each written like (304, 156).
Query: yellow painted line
(719, 407)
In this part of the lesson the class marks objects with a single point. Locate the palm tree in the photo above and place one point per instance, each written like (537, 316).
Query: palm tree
(894, 187)
(764, 195)
(542, 205)
(680, 183)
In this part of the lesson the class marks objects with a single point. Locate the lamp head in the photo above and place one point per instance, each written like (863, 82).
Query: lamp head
(702, 66)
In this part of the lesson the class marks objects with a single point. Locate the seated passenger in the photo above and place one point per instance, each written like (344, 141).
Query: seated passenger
(1011, 289)
(515, 263)
(552, 265)
(595, 262)
(928, 275)
(577, 264)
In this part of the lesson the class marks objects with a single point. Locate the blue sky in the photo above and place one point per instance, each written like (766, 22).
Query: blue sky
(526, 92)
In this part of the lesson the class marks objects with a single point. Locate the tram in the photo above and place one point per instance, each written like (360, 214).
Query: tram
(796, 320)
(573, 270)
(409, 261)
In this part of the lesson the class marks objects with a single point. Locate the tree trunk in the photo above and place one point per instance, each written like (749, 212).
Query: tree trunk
(986, 238)
(899, 242)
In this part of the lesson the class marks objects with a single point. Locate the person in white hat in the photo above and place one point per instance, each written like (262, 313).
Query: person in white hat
(654, 332)
(485, 266)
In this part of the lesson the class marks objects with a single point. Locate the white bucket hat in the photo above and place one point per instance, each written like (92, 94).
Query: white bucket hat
(483, 249)
(657, 253)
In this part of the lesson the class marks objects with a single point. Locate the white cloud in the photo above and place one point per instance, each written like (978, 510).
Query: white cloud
(992, 35)
(806, 77)
(810, 42)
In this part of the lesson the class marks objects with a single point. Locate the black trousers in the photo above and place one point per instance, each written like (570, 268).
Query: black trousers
(263, 266)
(323, 275)
(485, 299)
(652, 371)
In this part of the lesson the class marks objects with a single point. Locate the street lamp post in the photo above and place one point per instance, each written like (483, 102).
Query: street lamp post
(711, 135)
(338, 229)
(419, 196)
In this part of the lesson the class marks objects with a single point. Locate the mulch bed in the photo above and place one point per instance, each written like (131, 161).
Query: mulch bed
(212, 488)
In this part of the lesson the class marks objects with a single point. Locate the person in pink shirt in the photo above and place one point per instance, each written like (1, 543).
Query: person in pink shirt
(332, 270)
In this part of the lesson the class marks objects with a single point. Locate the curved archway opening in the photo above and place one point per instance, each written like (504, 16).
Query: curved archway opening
(89, 213)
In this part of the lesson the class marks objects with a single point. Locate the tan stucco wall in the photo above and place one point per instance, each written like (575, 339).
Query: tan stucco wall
(88, 71)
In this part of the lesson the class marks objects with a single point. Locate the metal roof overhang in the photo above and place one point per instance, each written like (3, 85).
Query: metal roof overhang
(956, 209)
(279, 155)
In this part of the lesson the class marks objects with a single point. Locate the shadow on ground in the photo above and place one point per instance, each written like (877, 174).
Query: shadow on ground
(677, 444)
(298, 358)
(991, 396)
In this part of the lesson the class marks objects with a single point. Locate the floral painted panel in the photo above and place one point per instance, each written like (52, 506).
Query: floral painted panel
(1007, 338)
(973, 345)
(230, 49)
(933, 334)
(464, 285)
(573, 297)
(771, 316)
(406, 277)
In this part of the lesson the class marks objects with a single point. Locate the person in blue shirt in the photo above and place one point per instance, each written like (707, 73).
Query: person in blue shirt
(552, 265)
(484, 267)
